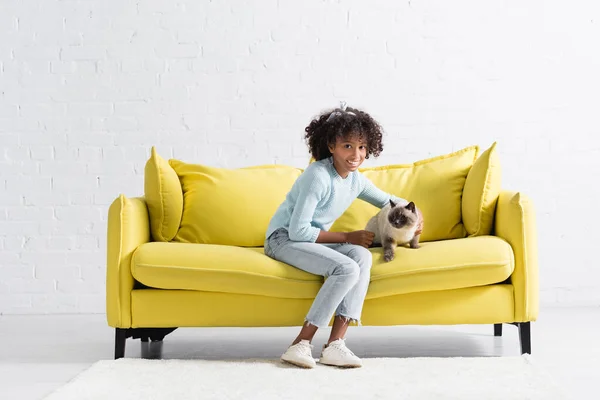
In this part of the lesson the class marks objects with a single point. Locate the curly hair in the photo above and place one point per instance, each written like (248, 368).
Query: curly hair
(320, 133)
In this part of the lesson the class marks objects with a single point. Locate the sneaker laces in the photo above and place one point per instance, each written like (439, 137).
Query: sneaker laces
(341, 346)
(305, 349)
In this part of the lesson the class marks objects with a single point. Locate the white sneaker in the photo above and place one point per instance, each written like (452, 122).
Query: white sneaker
(300, 354)
(339, 355)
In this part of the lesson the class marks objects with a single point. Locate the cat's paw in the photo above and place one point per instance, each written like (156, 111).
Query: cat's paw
(414, 246)
(388, 256)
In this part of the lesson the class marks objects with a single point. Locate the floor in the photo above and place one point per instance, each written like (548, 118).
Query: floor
(42, 353)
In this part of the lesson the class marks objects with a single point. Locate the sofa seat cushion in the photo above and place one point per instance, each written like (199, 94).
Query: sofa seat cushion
(220, 268)
(442, 265)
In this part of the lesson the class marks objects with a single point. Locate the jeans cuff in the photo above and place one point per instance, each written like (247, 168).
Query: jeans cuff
(350, 320)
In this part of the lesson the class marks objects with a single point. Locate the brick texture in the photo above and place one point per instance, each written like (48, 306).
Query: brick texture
(87, 87)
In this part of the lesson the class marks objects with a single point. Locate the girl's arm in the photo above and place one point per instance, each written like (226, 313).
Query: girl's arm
(332, 237)
(311, 190)
(373, 195)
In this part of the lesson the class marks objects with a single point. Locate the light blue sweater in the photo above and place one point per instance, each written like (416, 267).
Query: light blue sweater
(320, 196)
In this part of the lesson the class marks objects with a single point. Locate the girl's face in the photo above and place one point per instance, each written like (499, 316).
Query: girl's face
(348, 154)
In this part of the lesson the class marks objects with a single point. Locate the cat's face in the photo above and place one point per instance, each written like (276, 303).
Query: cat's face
(403, 217)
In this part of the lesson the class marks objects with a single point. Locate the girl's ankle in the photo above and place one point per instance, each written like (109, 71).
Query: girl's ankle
(331, 340)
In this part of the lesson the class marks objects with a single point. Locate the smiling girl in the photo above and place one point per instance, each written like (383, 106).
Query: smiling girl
(298, 233)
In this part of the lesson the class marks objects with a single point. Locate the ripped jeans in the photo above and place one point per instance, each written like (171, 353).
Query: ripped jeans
(346, 268)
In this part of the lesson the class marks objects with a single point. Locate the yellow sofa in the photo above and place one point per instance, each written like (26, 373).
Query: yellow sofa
(189, 253)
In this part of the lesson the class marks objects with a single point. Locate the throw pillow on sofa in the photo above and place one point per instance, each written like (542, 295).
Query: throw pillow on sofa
(164, 198)
(230, 206)
(435, 185)
(482, 189)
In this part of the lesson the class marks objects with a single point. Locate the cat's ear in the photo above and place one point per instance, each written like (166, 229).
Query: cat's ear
(411, 206)
(392, 204)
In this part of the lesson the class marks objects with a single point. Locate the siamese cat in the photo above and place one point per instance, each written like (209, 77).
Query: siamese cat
(395, 225)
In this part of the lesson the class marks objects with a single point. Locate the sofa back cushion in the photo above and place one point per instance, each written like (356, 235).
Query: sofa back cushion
(162, 192)
(480, 196)
(230, 206)
(435, 185)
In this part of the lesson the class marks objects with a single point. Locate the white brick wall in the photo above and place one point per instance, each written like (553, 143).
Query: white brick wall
(87, 87)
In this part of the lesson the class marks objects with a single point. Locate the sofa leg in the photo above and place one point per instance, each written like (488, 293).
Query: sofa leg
(524, 334)
(525, 337)
(497, 329)
(120, 339)
(152, 350)
(154, 334)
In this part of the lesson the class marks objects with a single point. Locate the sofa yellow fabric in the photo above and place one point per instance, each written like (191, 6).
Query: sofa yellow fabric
(481, 191)
(128, 228)
(189, 308)
(516, 223)
(435, 185)
(230, 269)
(230, 206)
(220, 268)
(164, 197)
(481, 279)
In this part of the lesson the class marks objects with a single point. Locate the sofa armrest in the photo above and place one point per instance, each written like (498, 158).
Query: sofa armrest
(128, 227)
(515, 222)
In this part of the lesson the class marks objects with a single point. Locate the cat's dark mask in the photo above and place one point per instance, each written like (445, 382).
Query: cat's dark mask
(402, 217)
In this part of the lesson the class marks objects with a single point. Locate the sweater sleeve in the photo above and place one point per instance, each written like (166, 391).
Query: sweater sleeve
(311, 191)
(375, 196)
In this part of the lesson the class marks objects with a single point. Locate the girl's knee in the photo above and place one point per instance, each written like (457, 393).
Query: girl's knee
(362, 256)
(348, 268)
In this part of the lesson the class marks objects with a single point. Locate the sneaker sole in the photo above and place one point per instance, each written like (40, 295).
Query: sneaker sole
(342, 365)
(297, 364)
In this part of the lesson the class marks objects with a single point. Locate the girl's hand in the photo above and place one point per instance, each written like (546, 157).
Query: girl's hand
(361, 238)
(420, 223)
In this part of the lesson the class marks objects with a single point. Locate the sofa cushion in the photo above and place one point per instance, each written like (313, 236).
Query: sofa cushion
(219, 268)
(442, 265)
(481, 192)
(164, 197)
(435, 185)
(230, 206)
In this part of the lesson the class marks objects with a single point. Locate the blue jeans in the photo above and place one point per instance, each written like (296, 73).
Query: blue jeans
(346, 268)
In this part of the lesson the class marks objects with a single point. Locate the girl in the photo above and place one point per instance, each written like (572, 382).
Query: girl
(298, 235)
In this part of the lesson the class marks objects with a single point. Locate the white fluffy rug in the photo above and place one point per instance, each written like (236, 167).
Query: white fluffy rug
(379, 378)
